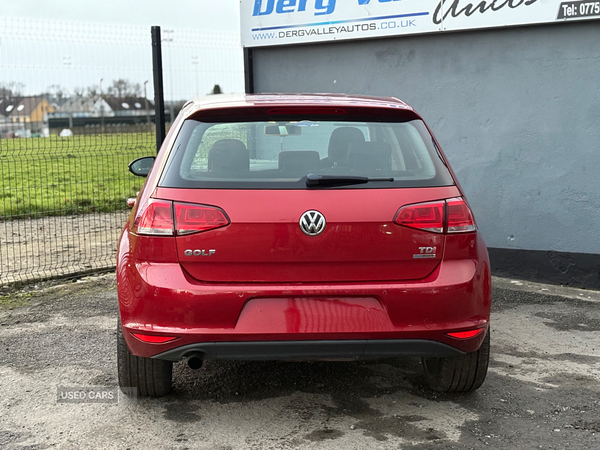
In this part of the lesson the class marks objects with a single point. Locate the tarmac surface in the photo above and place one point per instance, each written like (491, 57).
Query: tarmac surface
(542, 390)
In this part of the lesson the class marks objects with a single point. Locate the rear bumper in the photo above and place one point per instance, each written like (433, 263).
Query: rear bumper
(312, 350)
(375, 319)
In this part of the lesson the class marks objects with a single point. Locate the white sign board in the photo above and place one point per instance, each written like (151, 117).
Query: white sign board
(284, 22)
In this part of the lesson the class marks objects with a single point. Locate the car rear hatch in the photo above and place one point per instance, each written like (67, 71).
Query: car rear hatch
(262, 168)
(264, 241)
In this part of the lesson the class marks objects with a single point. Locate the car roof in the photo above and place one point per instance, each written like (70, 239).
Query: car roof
(273, 99)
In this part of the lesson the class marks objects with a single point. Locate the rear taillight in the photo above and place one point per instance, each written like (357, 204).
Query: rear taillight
(460, 218)
(422, 216)
(450, 216)
(196, 218)
(156, 219)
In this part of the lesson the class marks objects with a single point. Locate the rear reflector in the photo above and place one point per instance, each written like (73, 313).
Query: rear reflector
(460, 219)
(196, 218)
(452, 216)
(155, 220)
(466, 334)
(423, 216)
(154, 339)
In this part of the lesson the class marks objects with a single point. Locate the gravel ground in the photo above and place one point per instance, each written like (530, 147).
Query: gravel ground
(542, 389)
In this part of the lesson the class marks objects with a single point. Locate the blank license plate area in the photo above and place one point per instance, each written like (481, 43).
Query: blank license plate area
(313, 315)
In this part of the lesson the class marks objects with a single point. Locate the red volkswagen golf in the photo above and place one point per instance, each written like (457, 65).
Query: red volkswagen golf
(301, 227)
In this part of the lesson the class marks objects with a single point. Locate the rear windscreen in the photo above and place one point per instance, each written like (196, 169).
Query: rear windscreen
(280, 154)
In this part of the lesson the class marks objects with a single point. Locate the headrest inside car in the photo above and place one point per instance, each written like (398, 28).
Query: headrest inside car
(298, 162)
(227, 156)
(370, 155)
(339, 141)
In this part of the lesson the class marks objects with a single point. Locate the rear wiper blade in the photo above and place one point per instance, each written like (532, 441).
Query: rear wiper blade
(313, 180)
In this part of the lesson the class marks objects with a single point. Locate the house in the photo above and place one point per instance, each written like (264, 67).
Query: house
(98, 113)
(82, 107)
(29, 113)
(129, 106)
(105, 106)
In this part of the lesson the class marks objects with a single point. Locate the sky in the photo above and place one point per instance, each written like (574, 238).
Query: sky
(191, 14)
(78, 44)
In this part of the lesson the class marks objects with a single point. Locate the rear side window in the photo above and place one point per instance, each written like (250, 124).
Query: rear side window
(280, 154)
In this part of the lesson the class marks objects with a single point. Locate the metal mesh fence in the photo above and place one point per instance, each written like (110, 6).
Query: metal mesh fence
(76, 106)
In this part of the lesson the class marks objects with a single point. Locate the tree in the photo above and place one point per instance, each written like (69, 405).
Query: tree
(78, 92)
(217, 89)
(12, 89)
(92, 91)
(124, 88)
(56, 94)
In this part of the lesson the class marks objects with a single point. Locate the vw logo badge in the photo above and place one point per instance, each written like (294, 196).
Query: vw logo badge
(312, 223)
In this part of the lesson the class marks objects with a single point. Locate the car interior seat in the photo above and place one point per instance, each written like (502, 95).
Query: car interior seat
(341, 138)
(228, 156)
(370, 156)
(299, 162)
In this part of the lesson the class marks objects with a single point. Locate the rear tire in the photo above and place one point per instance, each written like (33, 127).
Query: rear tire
(151, 377)
(464, 373)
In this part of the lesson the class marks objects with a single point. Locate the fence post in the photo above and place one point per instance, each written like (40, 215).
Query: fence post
(159, 93)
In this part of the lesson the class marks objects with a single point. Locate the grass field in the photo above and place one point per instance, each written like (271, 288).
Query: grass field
(78, 174)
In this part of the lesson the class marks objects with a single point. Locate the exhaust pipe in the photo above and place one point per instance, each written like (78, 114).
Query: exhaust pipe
(195, 360)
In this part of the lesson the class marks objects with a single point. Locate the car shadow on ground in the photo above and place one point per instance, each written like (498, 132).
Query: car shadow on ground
(337, 390)
(239, 381)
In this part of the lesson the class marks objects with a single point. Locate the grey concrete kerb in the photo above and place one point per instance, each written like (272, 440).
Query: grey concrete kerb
(547, 289)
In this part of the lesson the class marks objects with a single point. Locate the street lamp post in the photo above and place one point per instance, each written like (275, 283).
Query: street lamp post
(101, 107)
(67, 63)
(195, 63)
(169, 39)
(147, 107)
